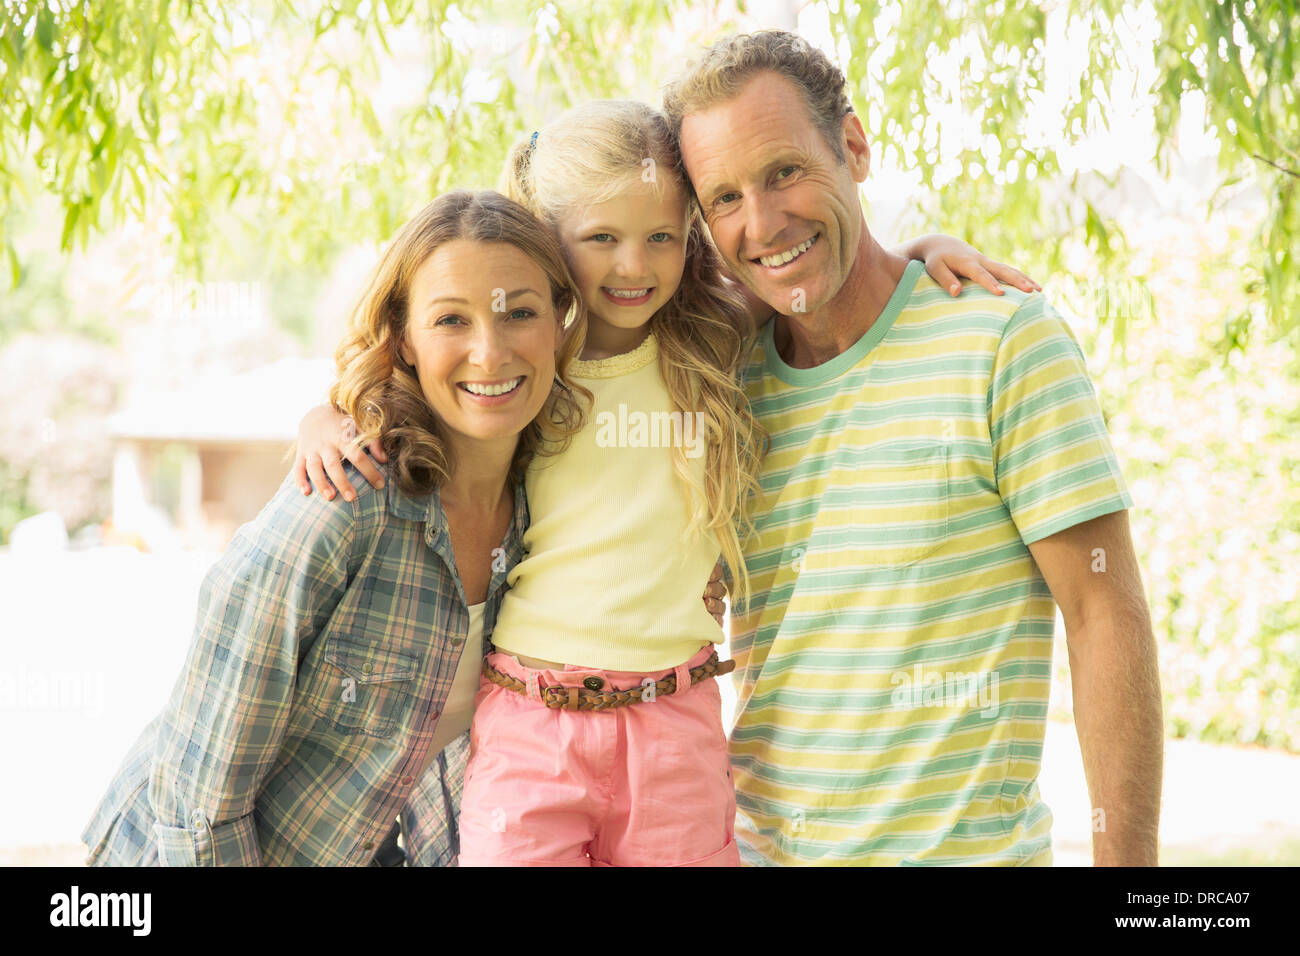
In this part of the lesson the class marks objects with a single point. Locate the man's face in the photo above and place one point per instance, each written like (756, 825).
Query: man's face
(782, 210)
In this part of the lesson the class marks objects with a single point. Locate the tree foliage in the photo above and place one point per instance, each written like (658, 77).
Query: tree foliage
(266, 135)
(283, 114)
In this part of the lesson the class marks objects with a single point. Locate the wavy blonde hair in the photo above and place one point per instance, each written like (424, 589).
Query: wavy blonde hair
(591, 154)
(380, 391)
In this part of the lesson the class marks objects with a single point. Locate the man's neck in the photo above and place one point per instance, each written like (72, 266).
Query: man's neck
(809, 339)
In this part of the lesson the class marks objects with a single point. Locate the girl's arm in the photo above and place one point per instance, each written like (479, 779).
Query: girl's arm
(259, 610)
(323, 441)
(948, 259)
(325, 438)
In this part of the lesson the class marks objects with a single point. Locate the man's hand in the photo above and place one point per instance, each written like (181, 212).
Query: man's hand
(325, 438)
(1093, 575)
(714, 592)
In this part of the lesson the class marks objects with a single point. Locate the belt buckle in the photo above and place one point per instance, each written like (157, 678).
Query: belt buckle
(559, 697)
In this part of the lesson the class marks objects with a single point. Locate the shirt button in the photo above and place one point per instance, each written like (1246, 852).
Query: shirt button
(368, 845)
(436, 713)
(593, 683)
(458, 640)
(197, 819)
(367, 667)
(406, 780)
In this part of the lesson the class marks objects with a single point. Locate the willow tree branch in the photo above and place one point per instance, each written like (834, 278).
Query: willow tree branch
(1289, 172)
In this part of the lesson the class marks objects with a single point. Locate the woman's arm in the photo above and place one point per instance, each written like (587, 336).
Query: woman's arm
(260, 608)
(948, 259)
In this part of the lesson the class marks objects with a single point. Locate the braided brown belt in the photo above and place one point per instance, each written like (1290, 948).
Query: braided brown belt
(580, 698)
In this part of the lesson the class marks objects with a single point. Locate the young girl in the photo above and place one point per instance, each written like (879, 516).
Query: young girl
(329, 633)
(597, 736)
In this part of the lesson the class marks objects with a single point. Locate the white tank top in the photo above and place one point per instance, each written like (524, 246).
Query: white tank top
(458, 711)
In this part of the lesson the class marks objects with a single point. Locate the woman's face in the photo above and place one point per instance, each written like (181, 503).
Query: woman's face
(482, 335)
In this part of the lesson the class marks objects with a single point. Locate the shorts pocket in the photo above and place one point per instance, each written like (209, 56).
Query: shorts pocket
(720, 732)
(363, 688)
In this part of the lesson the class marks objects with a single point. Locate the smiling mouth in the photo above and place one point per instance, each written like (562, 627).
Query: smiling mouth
(781, 258)
(491, 390)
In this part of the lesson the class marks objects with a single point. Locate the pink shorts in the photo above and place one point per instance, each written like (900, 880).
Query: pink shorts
(648, 784)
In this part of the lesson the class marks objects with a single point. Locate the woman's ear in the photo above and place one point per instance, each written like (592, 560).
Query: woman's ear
(404, 350)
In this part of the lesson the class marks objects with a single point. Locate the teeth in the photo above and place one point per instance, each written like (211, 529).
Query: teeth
(492, 389)
(783, 257)
(626, 293)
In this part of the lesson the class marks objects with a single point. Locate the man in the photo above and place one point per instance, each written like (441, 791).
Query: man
(939, 478)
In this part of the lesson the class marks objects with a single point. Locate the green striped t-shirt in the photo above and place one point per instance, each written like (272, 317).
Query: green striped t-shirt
(894, 663)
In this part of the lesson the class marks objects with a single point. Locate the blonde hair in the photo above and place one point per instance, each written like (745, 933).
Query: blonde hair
(379, 389)
(722, 70)
(591, 154)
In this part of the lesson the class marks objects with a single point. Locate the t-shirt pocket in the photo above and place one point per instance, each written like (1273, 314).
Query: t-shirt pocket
(894, 508)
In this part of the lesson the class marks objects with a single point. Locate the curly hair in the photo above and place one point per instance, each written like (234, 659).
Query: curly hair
(380, 390)
(592, 153)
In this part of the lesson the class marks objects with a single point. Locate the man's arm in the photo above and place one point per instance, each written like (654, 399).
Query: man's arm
(1093, 575)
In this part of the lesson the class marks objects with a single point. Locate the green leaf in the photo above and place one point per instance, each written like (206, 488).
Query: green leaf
(70, 217)
(45, 29)
(104, 142)
(149, 112)
(15, 37)
(15, 266)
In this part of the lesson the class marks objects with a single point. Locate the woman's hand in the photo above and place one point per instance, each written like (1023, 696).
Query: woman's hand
(947, 258)
(325, 438)
(714, 592)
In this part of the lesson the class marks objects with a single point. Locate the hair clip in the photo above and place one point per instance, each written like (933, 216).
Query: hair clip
(532, 143)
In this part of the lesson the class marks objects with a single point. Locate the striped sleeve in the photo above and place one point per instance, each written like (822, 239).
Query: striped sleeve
(1054, 462)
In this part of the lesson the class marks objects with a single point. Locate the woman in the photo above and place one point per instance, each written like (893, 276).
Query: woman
(331, 634)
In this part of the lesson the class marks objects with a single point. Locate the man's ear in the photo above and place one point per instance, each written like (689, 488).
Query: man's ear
(857, 151)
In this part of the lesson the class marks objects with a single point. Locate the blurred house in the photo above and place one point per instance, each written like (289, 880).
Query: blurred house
(191, 465)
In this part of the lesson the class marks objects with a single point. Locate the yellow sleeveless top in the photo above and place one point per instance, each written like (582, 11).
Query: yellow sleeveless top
(609, 578)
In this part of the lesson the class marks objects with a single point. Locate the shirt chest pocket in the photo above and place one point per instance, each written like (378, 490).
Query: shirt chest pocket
(363, 688)
(892, 511)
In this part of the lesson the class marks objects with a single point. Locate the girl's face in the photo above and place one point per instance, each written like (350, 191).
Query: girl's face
(482, 334)
(627, 256)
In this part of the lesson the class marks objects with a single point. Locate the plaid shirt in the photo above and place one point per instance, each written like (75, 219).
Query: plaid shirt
(326, 641)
